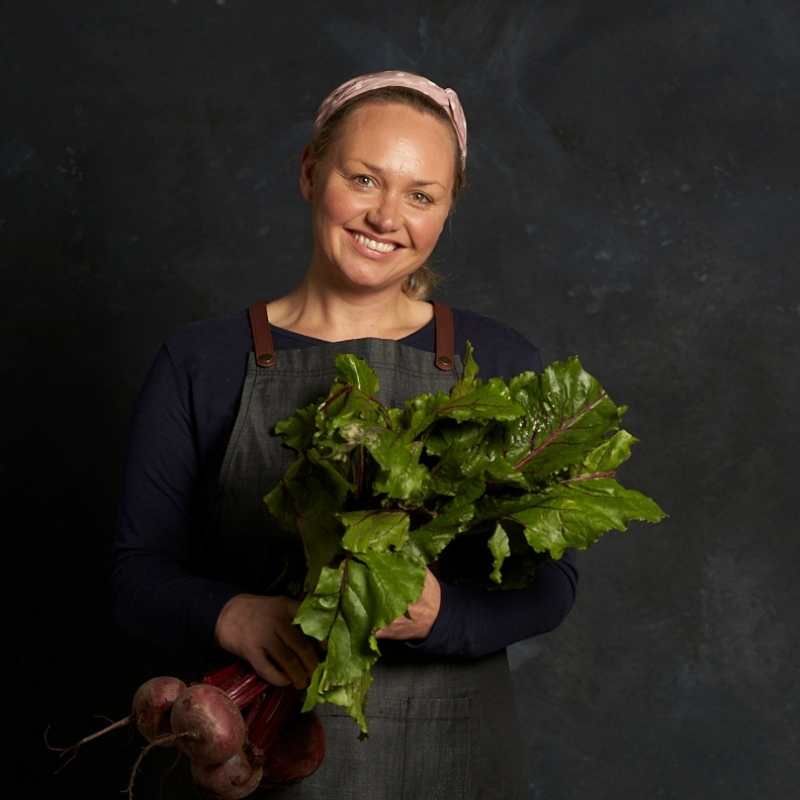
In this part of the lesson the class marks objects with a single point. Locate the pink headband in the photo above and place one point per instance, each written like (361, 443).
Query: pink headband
(446, 98)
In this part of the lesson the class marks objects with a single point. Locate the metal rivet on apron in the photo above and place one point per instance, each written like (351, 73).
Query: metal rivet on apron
(443, 362)
(266, 357)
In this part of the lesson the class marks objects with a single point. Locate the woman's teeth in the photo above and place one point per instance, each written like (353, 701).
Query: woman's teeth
(373, 245)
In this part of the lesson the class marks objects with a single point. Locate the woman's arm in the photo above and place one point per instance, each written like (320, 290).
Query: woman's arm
(473, 622)
(157, 597)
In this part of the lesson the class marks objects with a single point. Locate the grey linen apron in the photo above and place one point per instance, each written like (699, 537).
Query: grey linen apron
(438, 727)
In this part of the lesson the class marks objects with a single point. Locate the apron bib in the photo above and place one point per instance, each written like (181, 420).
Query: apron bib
(438, 727)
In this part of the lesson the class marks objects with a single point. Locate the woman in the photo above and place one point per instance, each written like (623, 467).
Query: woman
(200, 569)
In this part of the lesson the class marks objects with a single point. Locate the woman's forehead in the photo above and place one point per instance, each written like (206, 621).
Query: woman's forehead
(394, 133)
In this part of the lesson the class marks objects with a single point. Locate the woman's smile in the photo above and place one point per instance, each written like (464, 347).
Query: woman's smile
(370, 247)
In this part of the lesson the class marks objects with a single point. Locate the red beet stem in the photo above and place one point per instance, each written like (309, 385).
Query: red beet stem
(239, 681)
(296, 754)
(258, 728)
(255, 707)
(247, 690)
(280, 705)
(228, 676)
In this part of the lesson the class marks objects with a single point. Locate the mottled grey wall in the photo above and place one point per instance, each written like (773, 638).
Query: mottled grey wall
(634, 178)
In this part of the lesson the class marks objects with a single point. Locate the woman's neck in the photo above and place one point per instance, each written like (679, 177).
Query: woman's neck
(338, 316)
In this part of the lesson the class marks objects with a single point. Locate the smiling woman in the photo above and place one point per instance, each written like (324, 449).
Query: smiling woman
(201, 569)
(381, 173)
(379, 198)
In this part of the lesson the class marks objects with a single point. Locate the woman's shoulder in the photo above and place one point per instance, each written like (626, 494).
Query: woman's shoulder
(500, 349)
(207, 341)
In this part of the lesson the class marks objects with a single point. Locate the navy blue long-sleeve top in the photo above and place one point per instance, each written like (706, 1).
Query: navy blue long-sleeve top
(167, 597)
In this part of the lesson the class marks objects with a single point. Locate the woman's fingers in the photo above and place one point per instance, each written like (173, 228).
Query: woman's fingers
(260, 629)
(279, 665)
(301, 645)
(266, 669)
(290, 663)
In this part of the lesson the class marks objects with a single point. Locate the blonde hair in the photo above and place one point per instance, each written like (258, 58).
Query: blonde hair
(421, 282)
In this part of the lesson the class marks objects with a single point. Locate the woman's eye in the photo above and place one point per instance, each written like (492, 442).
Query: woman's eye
(419, 197)
(363, 181)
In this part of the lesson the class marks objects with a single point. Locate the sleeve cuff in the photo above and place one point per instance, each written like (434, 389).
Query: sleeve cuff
(205, 611)
(444, 632)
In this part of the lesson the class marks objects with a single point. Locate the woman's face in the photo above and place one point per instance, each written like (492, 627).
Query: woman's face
(380, 196)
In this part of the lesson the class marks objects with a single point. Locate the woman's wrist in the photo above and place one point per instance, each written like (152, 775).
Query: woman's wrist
(226, 621)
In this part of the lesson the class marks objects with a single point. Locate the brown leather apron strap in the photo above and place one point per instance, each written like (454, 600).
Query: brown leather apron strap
(265, 350)
(445, 336)
(262, 336)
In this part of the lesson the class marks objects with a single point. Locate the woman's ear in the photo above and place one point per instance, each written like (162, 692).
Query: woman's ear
(306, 174)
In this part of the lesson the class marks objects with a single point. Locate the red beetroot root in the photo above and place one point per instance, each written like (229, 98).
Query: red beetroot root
(210, 726)
(237, 777)
(152, 705)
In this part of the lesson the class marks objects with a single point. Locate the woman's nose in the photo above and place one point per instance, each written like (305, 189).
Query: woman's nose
(385, 214)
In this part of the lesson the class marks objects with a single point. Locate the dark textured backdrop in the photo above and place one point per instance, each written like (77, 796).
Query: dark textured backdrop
(634, 179)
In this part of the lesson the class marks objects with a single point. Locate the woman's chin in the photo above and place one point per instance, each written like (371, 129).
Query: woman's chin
(368, 278)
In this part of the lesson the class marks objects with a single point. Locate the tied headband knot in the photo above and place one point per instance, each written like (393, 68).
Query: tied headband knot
(445, 98)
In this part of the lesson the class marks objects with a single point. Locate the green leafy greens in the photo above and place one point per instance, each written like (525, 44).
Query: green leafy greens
(378, 493)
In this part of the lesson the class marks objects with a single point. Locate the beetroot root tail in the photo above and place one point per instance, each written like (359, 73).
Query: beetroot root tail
(72, 750)
(168, 738)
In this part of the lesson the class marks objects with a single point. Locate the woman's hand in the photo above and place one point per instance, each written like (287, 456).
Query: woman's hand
(423, 614)
(259, 629)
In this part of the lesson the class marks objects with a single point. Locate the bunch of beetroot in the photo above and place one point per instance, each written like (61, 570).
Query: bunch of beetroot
(239, 732)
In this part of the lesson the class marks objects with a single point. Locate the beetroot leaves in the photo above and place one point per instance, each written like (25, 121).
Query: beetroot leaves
(377, 493)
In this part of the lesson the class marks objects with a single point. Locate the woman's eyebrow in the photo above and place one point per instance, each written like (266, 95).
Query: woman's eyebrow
(377, 169)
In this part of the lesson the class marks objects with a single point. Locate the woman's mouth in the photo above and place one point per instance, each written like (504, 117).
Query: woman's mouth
(371, 247)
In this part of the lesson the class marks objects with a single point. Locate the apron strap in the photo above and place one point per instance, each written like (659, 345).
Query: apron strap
(265, 350)
(262, 335)
(445, 336)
